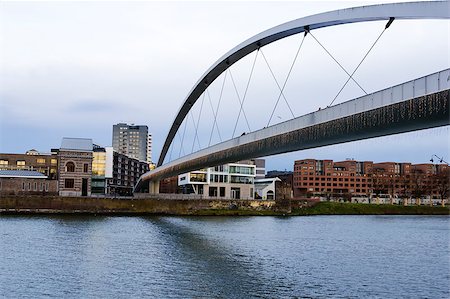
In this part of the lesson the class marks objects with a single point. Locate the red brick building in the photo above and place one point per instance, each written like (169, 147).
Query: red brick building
(47, 164)
(26, 182)
(325, 178)
(332, 179)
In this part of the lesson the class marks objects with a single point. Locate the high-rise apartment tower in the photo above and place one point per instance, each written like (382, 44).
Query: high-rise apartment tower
(133, 141)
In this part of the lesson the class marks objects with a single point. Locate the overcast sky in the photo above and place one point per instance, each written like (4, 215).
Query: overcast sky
(73, 69)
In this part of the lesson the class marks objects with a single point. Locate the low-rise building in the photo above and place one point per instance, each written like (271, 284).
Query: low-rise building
(47, 164)
(266, 188)
(75, 167)
(232, 180)
(26, 182)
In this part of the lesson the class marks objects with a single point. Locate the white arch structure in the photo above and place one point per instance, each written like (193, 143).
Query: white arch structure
(405, 10)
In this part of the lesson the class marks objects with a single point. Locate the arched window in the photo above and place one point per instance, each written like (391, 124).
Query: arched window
(70, 167)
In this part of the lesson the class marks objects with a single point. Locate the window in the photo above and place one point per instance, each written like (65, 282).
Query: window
(70, 167)
(213, 191)
(3, 163)
(23, 186)
(85, 167)
(46, 187)
(69, 183)
(40, 161)
(35, 186)
(20, 164)
(54, 161)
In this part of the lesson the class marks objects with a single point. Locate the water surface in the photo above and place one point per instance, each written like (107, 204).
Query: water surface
(225, 257)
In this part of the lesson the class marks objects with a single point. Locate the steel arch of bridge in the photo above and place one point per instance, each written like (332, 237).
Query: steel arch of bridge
(406, 10)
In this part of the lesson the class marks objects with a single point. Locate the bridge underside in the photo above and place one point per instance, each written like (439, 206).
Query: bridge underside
(423, 112)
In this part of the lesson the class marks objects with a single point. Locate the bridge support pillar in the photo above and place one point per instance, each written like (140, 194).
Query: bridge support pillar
(153, 187)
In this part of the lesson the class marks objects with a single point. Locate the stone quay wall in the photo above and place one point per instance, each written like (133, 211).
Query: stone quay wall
(101, 205)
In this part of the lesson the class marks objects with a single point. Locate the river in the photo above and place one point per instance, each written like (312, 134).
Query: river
(224, 257)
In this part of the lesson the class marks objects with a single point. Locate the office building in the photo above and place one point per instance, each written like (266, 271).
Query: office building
(133, 141)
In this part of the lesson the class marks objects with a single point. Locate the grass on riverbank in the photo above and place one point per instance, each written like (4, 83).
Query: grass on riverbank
(334, 208)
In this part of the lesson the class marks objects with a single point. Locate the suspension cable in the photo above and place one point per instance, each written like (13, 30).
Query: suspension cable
(240, 102)
(198, 125)
(336, 61)
(287, 77)
(276, 81)
(196, 128)
(217, 110)
(215, 119)
(245, 93)
(373, 45)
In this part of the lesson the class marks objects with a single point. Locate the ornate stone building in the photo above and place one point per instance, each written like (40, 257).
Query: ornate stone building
(75, 167)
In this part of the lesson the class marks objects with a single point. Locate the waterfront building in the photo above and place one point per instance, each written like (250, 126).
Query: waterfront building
(232, 180)
(114, 173)
(47, 164)
(122, 172)
(391, 178)
(363, 180)
(331, 179)
(265, 189)
(26, 182)
(283, 188)
(98, 179)
(133, 141)
(75, 167)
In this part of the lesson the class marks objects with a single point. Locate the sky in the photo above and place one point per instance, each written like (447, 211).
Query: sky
(73, 69)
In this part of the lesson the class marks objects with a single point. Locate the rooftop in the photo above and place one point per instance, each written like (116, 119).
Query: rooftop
(77, 144)
(22, 174)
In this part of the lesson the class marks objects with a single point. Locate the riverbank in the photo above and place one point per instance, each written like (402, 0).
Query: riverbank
(202, 207)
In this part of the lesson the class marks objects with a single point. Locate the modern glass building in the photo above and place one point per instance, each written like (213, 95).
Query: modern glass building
(233, 180)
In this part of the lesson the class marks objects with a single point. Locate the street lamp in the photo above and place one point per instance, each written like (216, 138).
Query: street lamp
(440, 159)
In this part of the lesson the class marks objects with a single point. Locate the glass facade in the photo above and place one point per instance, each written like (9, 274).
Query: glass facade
(98, 182)
(198, 177)
(242, 170)
(99, 164)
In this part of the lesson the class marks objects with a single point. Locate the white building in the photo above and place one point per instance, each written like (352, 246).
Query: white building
(233, 180)
(265, 188)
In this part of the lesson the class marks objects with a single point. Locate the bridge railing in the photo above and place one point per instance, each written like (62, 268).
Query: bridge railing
(415, 88)
(412, 89)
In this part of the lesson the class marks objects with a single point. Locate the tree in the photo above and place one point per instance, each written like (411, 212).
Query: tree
(441, 184)
(417, 183)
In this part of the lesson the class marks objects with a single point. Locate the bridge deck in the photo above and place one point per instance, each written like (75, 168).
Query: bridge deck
(417, 104)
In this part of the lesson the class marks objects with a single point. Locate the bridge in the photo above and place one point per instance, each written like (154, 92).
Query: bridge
(414, 105)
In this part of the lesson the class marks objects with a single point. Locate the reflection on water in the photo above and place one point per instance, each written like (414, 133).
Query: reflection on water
(225, 257)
